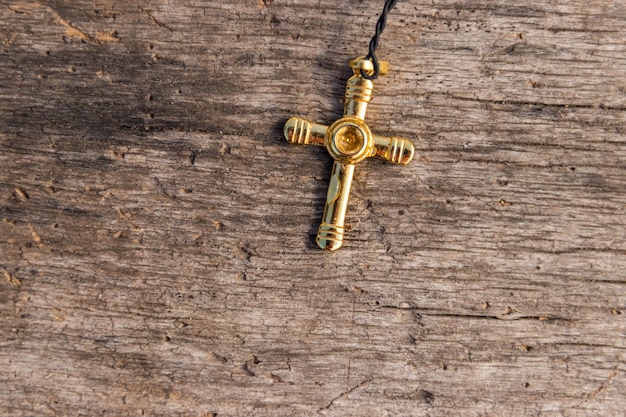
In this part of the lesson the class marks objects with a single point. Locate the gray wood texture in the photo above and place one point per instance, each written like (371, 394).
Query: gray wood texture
(157, 230)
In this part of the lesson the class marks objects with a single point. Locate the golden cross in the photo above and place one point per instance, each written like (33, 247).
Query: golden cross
(348, 141)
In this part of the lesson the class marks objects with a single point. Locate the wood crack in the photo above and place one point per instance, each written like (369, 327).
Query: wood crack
(343, 395)
(536, 103)
(504, 316)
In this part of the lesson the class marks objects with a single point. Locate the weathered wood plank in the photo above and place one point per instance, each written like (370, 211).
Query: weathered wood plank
(157, 231)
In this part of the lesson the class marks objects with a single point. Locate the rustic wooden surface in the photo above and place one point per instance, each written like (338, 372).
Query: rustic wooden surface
(157, 231)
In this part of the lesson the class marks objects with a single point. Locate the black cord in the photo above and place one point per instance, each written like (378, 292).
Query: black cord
(380, 26)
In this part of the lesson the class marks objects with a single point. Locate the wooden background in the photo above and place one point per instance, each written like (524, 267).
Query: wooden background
(157, 230)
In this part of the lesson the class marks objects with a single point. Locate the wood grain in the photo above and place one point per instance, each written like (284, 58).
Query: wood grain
(157, 231)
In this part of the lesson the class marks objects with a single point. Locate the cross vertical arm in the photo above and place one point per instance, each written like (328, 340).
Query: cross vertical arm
(331, 230)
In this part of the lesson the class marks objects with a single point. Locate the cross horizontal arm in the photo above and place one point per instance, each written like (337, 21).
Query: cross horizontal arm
(395, 150)
(304, 132)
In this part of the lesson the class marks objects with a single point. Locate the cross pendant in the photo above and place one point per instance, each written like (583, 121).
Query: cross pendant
(348, 141)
